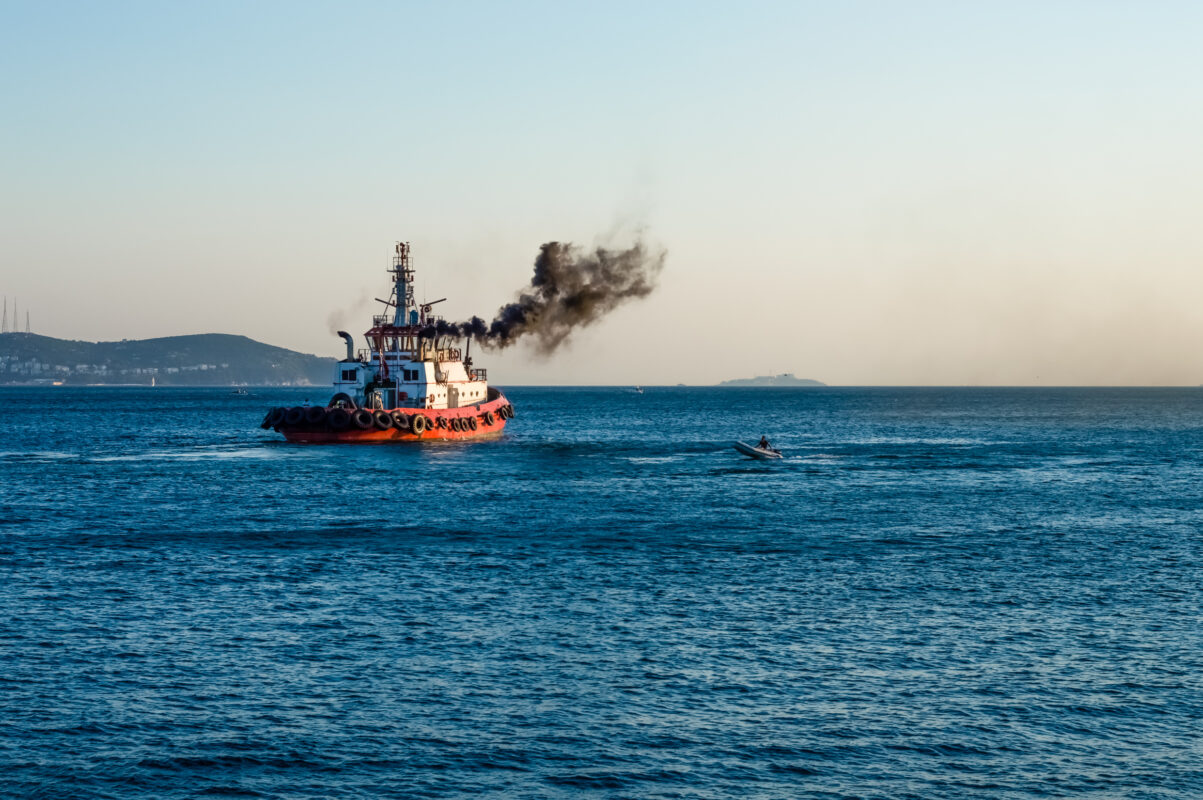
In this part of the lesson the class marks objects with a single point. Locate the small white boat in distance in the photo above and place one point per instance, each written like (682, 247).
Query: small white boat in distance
(756, 452)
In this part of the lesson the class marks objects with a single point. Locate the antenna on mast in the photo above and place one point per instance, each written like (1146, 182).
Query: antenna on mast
(27, 320)
(403, 285)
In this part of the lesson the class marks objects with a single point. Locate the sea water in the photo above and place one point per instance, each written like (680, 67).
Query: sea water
(937, 593)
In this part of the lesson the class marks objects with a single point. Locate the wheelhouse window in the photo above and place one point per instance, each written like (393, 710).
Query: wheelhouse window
(348, 375)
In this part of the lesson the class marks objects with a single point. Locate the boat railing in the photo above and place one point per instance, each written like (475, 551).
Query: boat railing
(478, 374)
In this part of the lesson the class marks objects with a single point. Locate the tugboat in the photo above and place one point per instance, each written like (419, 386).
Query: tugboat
(409, 384)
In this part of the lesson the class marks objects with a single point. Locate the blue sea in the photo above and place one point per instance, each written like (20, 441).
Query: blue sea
(937, 593)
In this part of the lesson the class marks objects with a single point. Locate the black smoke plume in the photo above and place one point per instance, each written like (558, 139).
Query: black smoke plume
(570, 289)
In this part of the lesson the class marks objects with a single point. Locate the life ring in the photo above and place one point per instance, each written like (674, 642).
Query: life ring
(363, 419)
(489, 418)
(471, 422)
(338, 419)
(418, 424)
(344, 399)
(294, 416)
(400, 421)
(383, 420)
(315, 415)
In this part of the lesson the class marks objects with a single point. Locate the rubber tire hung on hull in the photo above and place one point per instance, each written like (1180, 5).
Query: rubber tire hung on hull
(343, 414)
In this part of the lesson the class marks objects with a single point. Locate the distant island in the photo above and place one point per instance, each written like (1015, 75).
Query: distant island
(785, 379)
(207, 359)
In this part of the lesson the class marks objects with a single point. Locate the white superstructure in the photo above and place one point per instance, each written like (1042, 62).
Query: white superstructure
(408, 363)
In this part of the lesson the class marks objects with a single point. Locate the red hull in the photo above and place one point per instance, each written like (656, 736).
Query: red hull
(435, 431)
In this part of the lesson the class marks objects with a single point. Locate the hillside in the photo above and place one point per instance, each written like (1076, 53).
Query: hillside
(208, 359)
(785, 379)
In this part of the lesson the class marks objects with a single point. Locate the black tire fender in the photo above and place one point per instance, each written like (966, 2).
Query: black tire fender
(363, 419)
(383, 420)
(294, 416)
(338, 419)
(418, 424)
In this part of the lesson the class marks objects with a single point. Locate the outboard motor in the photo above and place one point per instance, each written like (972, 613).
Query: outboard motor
(350, 345)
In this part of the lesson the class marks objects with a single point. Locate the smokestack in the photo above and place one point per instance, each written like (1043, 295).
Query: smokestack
(350, 345)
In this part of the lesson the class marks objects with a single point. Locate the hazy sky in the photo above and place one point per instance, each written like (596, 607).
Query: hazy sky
(862, 193)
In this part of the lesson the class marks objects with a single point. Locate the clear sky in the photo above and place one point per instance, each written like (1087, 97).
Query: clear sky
(862, 193)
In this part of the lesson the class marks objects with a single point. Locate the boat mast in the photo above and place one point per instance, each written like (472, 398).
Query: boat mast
(403, 287)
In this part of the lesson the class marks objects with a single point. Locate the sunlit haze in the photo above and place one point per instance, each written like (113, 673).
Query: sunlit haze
(860, 193)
